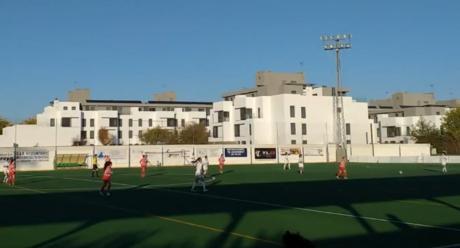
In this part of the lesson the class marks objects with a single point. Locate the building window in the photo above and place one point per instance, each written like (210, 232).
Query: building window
(203, 121)
(182, 122)
(188, 109)
(208, 111)
(113, 122)
(245, 113)
(250, 129)
(293, 142)
(150, 122)
(304, 142)
(130, 134)
(82, 135)
(74, 108)
(292, 111)
(303, 112)
(140, 122)
(215, 132)
(152, 109)
(120, 122)
(293, 92)
(223, 116)
(91, 134)
(304, 129)
(83, 122)
(348, 141)
(91, 122)
(120, 134)
(347, 129)
(65, 108)
(66, 122)
(86, 107)
(237, 130)
(139, 134)
(438, 113)
(171, 122)
(258, 113)
(393, 131)
(52, 122)
(293, 128)
(408, 131)
(130, 122)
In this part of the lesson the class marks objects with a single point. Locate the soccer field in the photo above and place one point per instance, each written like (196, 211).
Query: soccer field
(247, 206)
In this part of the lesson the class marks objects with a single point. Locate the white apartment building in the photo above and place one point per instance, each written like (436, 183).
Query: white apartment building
(397, 115)
(284, 119)
(397, 129)
(64, 123)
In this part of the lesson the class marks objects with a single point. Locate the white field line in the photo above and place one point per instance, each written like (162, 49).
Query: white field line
(173, 220)
(157, 187)
(448, 246)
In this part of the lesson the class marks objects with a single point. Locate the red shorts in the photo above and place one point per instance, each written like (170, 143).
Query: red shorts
(106, 178)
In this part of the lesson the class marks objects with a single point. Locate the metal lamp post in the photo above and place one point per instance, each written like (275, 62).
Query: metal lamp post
(337, 43)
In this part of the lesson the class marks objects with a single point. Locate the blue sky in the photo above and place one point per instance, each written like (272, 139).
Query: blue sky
(200, 49)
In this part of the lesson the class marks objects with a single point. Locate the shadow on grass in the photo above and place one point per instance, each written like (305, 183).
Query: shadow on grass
(89, 208)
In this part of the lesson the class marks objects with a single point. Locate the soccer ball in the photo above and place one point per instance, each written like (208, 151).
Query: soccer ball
(400, 172)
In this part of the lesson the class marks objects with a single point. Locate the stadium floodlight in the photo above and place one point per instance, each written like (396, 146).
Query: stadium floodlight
(337, 43)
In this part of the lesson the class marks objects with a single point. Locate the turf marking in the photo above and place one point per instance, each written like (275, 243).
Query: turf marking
(448, 246)
(313, 210)
(158, 187)
(172, 220)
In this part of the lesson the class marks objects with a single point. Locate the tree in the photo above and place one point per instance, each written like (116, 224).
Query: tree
(4, 123)
(158, 135)
(194, 134)
(451, 128)
(104, 136)
(30, 121)
(426, 132)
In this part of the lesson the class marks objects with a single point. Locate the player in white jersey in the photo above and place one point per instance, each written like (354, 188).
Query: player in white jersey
(300, 164)
(199, 177)
(205, 165)
(287, 164)
(5, 169)
(444, 159)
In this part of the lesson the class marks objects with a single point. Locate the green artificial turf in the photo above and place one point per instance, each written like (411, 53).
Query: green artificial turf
(247, 206)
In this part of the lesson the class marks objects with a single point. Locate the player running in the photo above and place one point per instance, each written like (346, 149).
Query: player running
(12, 172)
(342, 172)
(106, 179)
(95, 169)
(199, 177)
(444, 159)
(144, 161)
(205, 165)
(221, 163)
(300, 164)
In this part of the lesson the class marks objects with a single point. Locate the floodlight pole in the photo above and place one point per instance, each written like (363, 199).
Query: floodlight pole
(335, 42)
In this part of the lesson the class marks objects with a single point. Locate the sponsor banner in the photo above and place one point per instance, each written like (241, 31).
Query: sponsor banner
(265, 153)
(313, 152)
(176, 153)
(290, 151)
(27, 155)
(210, 152)
(114, 154)
(236, 152)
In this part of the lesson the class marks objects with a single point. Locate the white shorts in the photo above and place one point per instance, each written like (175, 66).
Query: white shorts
(301, 165)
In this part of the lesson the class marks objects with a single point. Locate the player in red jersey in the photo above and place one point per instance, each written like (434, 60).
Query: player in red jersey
(342, 172)
(144, 161)
(106, 179)
(12, 172)
(221, 163)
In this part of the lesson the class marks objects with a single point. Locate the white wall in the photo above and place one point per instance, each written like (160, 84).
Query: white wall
(42, 158)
